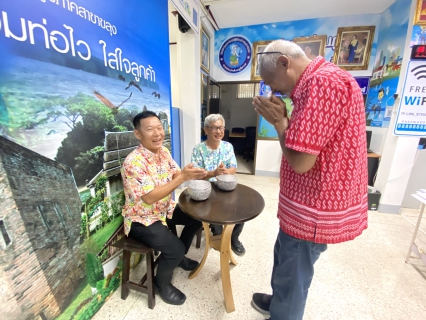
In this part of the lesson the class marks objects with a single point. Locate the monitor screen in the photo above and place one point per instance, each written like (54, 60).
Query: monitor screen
(369, 133)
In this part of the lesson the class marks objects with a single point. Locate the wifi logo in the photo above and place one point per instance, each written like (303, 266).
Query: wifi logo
(419, 72)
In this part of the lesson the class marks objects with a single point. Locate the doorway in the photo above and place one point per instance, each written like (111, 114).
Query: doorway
(241, 121)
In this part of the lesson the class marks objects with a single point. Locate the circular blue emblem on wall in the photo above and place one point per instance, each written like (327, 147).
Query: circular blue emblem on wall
(235, 54)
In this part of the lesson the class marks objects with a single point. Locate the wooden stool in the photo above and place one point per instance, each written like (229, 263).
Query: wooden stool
(128, 246)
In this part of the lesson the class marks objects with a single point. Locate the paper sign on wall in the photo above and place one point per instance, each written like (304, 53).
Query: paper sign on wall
(411, 118)
(189, 10)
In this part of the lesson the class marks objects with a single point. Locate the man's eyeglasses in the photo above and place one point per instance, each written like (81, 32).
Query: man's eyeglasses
(270, 52)
(215, 129)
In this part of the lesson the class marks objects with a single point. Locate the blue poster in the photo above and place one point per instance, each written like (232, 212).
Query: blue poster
(73, 74)
(265, 130)
(363, 83)
(387, 65)
(72, 70)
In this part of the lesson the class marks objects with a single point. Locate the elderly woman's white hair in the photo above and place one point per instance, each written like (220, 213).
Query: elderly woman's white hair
(213, 118)
(290, 49)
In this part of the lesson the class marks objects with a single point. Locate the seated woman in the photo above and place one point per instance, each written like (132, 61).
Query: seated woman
(217, 157)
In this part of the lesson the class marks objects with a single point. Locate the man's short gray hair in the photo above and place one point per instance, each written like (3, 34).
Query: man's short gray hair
(213, 118)
(290, 49)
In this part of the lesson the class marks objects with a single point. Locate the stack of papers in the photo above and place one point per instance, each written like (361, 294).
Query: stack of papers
(421, 193)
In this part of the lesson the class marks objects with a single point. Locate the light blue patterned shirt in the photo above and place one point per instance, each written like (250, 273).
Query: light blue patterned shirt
(203, 157)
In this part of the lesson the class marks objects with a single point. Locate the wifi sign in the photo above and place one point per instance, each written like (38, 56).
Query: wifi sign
(420, 72)
(411, 116)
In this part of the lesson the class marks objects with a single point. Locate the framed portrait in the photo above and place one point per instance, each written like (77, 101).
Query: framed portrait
(353, 47)
(204, 89)
(258, 47)
(205, 51)
(312, 46)
(420, 15)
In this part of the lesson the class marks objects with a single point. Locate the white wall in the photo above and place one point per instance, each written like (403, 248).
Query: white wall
(185, 62)
(186, 80)
(377, 139)
(268, 159)
(416, 181)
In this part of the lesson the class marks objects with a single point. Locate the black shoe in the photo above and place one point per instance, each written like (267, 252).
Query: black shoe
(188, 264)
(171, 295)
(238, 248)
(261, 302)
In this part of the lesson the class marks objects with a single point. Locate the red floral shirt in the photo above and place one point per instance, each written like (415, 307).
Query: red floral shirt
(327, 204)
(141, 173)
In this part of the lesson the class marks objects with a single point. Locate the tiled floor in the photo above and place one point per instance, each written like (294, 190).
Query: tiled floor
(243, 166)
(363, 279)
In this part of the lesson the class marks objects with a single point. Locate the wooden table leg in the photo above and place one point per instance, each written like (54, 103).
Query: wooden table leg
(225, 258)
(194, 272)
(416, 230)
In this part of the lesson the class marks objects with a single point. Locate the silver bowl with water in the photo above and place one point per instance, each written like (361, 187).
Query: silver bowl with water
(199, 190)
(227, 182)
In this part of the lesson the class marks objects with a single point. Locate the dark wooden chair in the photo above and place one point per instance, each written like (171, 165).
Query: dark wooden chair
(128, 246)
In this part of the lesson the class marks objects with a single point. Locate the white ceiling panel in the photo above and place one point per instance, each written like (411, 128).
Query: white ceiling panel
(234, 13)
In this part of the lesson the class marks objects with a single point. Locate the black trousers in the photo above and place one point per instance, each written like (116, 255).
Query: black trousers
(218, 228)
(173, 249)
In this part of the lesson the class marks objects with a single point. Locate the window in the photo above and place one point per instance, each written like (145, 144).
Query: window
(247, 90)
(44, 219)
(256, 89)
(59, 214)
(4, 234)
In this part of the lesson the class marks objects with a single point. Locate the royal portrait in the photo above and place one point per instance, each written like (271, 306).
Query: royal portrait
(312, 46)
(353, 47)
(258, 47)
(205, 51)
(420, 14)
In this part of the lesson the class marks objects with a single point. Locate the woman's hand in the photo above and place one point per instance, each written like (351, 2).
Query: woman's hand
(221, 170)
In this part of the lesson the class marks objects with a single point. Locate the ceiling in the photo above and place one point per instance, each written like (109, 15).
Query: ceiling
(234, 13)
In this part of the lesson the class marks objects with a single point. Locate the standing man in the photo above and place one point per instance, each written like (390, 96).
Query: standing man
(323, 175)
(150, 175)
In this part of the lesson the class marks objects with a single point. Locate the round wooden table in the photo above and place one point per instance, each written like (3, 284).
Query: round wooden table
(228, 208)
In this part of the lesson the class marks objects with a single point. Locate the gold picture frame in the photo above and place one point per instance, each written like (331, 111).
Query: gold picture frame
(420, 15)
(258, 47)
(353, 47)
(313, 46)
(204, 50)
(204, 88)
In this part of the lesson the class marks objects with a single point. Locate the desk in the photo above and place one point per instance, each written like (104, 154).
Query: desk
(237, 135)
(413, 246)
(228, 208)
(373, 165)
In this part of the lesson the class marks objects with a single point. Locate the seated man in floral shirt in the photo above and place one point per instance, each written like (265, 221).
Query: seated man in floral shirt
(150, 175)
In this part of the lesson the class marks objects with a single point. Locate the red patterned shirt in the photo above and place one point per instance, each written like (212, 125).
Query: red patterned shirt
(327, 204)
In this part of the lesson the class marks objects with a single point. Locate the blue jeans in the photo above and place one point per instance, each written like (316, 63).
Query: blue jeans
(292, 275)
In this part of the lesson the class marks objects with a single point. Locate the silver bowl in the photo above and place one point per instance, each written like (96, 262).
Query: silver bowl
(199, 190)
(227, 182)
